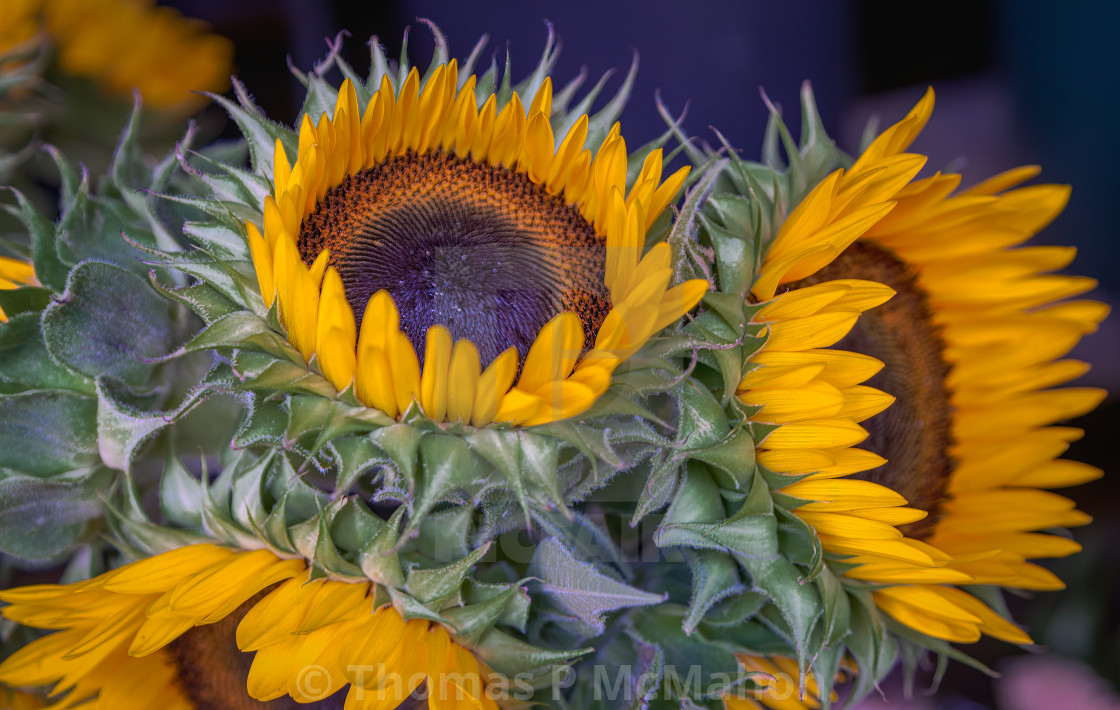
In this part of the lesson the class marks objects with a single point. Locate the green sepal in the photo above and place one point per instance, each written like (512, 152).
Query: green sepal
(732, 459)
(204, 300)
(411, 608)
(626, 673)
(259, 132)
(702, 421)
(837, 612)
(586, 536)
(435, 585)
(247, 331)
(715, 577)
(661, 484)
(353, 456)
(702, 651)
(515, 658)
(735, 610)
(379, 558)
(512, 598)
(448, 466)
(509, 606)
(290, 378)
(526, 460)
(180, 493)
(578, 588)
(265, 423)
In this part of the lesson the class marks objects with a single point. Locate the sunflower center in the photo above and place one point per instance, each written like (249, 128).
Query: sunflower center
(476, 248)
(914, 434)
(213, 673)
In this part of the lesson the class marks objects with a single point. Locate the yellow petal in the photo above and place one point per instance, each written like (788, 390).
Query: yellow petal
(492, 387)
(553, 353)
(434, 379)
(463, 380)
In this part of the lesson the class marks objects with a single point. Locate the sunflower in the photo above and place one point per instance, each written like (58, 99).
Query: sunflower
(428, 249)
(13, 274)
(17, 23)
(163, 632)
(950, 491)
(122, 44)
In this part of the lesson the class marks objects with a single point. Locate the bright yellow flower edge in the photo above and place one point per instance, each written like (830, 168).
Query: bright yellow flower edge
(112, 632)
(778, 684)
(994, 305)
(380, 362)
(123, 44)
(13, 274)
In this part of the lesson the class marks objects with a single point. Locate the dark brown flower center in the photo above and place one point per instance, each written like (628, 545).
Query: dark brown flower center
(915, 433)
(477, 248)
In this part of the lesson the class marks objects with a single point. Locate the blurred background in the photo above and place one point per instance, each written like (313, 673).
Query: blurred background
(1020, 82)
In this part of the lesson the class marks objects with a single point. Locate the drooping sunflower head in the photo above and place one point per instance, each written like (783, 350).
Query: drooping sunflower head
(443, 247)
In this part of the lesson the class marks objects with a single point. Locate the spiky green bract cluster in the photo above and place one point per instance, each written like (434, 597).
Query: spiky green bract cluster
(746, 550)
(506, 472)
(79, 352)
(439, 573)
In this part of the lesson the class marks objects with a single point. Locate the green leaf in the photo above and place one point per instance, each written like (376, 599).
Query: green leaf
(122, 428)
(47, 433)
(108, 323)
(49, 269)
(24, 359)
(40, 519)
(28, 299)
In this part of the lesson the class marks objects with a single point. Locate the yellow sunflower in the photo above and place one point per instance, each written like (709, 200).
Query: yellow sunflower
(17, 23)
(163, 633)
(778, 684)
(123, 44)
(13, 274)
(949, 492)
(428, 249)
